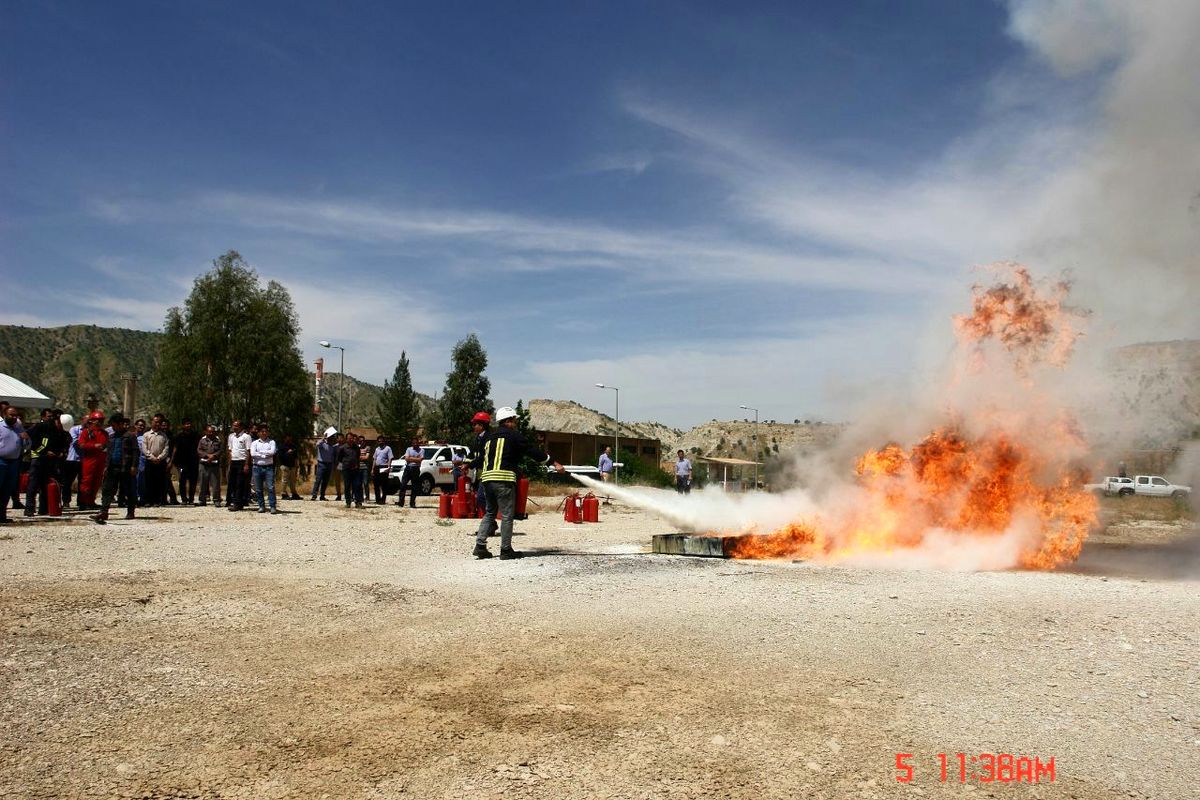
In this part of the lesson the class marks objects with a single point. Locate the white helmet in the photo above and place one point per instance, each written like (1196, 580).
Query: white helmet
(67, 421)
(504, 413)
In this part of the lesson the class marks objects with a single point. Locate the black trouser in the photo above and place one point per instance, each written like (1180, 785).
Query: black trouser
(117, 482)
(187, 482)
(68, 472)
(156, 483)
(683, 484)
(41, 470)
(381, 484)
(410, 478)
(238, 493)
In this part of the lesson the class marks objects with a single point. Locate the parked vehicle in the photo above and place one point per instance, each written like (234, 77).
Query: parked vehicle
(436, 470)
(1112, 485)
(1154, 486)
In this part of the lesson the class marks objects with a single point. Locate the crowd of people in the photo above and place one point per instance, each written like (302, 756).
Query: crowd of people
(103, 461)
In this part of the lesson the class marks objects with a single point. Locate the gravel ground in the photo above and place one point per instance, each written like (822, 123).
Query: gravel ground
(364, 654)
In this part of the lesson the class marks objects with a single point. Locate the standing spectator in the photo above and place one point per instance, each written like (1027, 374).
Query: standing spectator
(208, 456)
(156, 448)
(683, 474)
(262, 453)
(502, 452)
(606, 465)
(326, 461)
(13, 441)
(348, 459)
(339, 480)
(93, 446)
(458, 464)
(70, 465)
(237, 495)
(139, 485)
(481, 423)
(364, 465)
(286, 468)
(122, 469)
(185, 458)
(383, 468)
(48, 445)
(411, 477)
(168, 472)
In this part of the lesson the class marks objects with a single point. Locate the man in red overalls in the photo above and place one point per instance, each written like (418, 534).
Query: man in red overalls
(93, 445)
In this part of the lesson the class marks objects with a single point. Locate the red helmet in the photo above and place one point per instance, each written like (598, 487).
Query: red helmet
(482, 416)
(98, 416)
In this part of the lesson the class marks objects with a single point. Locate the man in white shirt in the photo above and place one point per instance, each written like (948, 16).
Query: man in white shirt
(238, 493)
(262, 454)
(382, 459)
(683, 474)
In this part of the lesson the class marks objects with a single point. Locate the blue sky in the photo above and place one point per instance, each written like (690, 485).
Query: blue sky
(705, 204)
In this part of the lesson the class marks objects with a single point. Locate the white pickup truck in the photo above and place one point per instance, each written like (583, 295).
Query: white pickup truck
(1154, 486)
(1112, 485)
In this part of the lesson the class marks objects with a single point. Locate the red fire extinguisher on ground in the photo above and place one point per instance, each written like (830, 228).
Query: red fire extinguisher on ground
(53, 499)
(591, 508)
(522, 499)
(572, 511)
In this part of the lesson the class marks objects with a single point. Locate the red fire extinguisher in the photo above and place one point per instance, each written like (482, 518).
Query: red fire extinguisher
(54, 499)
(445, 508)
(522, 499)
(591, 508)
(571, 508)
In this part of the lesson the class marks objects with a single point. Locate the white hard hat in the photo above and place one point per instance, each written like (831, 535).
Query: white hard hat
(330, 431)
(67, 421)
(504, 413)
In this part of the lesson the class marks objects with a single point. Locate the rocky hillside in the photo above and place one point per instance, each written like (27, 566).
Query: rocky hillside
(730, 439)
(1156, 386)
(69, 363)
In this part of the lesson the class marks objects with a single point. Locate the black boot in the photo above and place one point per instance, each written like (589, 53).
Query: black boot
(507, 553)
(481, 551)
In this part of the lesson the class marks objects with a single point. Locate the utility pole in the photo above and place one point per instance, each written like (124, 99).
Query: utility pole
(616, 431)
(755, 410)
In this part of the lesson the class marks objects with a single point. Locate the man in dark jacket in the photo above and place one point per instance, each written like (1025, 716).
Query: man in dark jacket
(502, 452)
(348, 464)
(122, 457)
(48, 447)
(185, 459)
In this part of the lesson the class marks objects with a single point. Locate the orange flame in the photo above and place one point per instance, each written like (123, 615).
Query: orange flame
(1013, 481)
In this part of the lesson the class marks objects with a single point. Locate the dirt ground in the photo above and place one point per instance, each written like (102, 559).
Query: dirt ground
(342, 653)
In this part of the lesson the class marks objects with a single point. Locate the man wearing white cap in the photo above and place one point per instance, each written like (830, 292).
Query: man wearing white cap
(325, 459)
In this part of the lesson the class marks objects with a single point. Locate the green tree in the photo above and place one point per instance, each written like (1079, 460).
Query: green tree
(399, 414)
(230, 353)
(466, 391)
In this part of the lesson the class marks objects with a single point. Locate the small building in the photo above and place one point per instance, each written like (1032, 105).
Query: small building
(566, 447)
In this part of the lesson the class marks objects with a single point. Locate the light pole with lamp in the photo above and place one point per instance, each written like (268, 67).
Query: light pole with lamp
(617, 431)
(755, 410)
(341, 378)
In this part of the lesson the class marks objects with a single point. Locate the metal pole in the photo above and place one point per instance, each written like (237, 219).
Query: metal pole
(617, 437)
(756, 449)
(341, 386)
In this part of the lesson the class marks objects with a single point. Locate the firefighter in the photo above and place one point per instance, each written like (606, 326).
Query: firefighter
(502, 452)
(93, 443)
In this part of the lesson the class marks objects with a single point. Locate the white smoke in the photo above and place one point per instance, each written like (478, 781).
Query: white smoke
(1126, 214)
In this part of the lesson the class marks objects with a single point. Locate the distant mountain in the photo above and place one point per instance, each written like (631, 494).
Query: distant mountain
(72, 362)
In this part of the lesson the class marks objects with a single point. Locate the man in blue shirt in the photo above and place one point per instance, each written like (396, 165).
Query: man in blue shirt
(413, 457)
(13, 442)
(123, 453)
(606, 464)
(325, 461)
(683, 474)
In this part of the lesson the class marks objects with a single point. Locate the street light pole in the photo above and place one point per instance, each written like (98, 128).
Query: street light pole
(617, 431)
(755, 410)
(341, 378)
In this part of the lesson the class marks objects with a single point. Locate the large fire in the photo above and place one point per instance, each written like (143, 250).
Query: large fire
(1000, 470)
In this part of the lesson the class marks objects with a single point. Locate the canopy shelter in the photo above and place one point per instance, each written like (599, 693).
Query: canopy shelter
(21, 394)
(725, 464)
